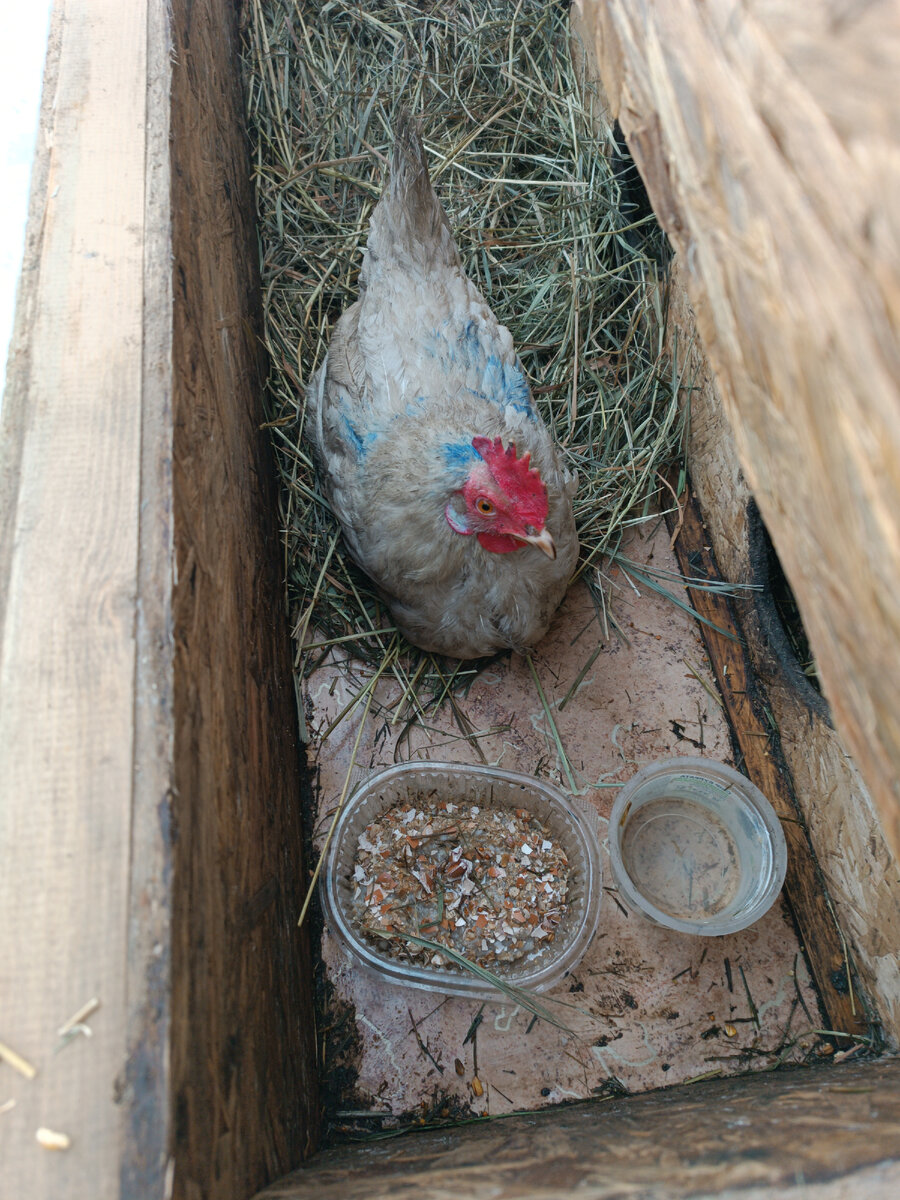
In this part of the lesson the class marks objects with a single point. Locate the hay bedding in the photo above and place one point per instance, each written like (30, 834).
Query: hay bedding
(524, 164)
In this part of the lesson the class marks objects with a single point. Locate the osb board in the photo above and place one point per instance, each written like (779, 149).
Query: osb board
(244, 1090)
(660, 1001)
(861, 874)
(82, 779)
(767, 1134)
(767, 136)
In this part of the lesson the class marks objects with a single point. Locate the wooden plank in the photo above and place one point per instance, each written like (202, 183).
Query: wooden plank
(149, 814)
(244, 1088)
(144, 1082)
(757, 1136)
(757, 739)
(768, 135)
(72, 422)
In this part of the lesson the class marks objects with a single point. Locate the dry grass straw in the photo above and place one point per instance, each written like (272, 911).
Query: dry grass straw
(524, 165)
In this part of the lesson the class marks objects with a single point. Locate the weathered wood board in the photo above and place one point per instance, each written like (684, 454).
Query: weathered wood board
(149, 814)
(768, 1134)
(244, 1089)
(768, 136)
(73, 770)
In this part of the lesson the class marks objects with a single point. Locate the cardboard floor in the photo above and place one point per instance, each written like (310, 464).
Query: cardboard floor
(652, 1007)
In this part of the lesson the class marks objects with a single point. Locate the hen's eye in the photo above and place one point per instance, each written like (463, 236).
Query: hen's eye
(484, 506)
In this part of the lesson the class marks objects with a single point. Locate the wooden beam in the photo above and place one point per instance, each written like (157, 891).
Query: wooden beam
(768, 135)
(775, 1134)
(756, 738)
(858, 867)
(244, 1087)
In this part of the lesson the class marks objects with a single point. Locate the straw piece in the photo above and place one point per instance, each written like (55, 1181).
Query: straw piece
(560, 749)
(17, 1062)
(78, 1018)
(370, 688)
(518, 995)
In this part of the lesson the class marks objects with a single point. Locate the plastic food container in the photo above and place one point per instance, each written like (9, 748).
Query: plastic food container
(696, 847)
(569, 821)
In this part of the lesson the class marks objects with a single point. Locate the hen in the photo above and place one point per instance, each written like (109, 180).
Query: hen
(447, 485)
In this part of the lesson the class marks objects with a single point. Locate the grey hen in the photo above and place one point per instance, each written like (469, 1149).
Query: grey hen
(447, 484)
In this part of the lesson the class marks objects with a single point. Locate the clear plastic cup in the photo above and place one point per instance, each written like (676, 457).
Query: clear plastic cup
(696, 847)
(572, 822)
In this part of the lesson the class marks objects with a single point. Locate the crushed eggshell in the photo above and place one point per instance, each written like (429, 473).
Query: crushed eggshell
(488, 883)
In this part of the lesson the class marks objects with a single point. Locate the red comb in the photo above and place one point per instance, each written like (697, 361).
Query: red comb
(521, 482)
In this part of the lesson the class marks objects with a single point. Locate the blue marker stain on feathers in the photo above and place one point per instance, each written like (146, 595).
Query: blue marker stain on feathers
(500, 383)
(459, 455)
(505, 384)
(516, 387)
(360, 444)
(469, 344)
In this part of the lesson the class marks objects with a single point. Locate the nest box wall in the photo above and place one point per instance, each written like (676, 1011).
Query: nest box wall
(768, 142)
(768, 145)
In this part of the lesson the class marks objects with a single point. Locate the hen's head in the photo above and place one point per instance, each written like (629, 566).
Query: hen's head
(503, 501)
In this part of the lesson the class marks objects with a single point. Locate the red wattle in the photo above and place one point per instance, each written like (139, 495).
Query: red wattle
(499, 543)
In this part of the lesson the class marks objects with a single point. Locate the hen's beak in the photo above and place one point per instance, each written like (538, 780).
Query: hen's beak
(542, 540)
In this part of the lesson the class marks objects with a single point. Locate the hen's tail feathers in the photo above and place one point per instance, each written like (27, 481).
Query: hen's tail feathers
(409, 229)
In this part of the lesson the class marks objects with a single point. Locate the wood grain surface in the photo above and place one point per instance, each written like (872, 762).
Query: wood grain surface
(767, 1134)
(244, 1088)
(149, 767)
(72, 425)
(768, 135)
(859, 870)
(761, 758)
